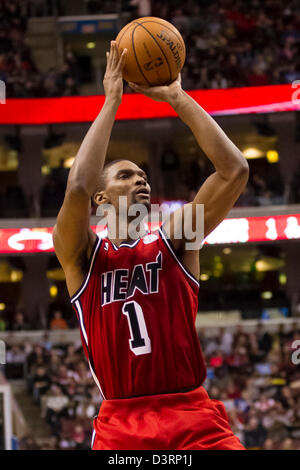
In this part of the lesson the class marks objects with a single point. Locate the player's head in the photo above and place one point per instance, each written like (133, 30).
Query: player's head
(123, 178)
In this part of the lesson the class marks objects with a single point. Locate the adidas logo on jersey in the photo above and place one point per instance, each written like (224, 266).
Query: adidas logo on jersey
(149, 239)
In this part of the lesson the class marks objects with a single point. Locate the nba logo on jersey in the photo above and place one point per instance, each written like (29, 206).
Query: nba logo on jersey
(106, 246)
(149, 239)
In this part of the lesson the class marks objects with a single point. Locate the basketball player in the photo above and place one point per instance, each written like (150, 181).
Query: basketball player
(136, 300)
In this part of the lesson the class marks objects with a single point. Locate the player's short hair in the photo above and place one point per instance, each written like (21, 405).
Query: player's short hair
(103, 178)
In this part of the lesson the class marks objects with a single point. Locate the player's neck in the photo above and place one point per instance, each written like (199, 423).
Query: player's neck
(127, 234)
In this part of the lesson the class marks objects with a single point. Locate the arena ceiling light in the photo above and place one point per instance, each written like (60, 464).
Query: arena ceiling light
(252, 152)
(272, 156)
(267, 295)
(53, 291)
(69, 162)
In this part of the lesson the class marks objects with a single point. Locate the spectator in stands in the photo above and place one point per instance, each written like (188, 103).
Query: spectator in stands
(83, 374)
(268, 444)
(226, 339)
(19, 323)
(65, 376)
(46, 343)
(255, 434)
(37, 357)
(15, 358)
(2, 323)
(56, 408)
(78, 437)
(264, 340)
(28, 443)
(41, 383)
(54, 361)
(287, 444)
(142, 7)
(58, 322)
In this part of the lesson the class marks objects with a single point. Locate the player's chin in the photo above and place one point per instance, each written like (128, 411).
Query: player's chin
(143, 199)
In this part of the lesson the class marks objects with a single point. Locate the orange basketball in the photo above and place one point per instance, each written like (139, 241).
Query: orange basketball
(156, 51)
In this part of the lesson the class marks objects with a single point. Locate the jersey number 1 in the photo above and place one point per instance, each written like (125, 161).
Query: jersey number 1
(139, 342)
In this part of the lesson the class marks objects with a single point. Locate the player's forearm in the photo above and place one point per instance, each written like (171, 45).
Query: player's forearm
(89, 161)
(225, 156)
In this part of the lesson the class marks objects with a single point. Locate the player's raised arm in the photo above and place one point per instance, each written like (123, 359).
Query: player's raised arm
(221, 189)
(72, 236)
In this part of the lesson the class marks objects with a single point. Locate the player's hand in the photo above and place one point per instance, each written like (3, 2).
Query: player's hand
(113, 79)
(160, 93)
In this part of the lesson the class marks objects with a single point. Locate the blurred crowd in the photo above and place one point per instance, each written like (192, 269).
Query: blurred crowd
(57, 320)
(60, 383)
(229, 43)
(255, 377)
(254, 373)
(17, 67)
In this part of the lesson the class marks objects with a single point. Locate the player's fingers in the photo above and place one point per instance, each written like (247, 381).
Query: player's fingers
(139, 88)
(122, 61)
(135, 87)
(108, 60)
(111, 55)
(115, 55)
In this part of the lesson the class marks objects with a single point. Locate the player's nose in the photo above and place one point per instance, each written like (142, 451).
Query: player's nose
(140, 181)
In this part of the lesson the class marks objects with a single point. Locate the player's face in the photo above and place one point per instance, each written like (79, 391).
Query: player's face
(127, 179)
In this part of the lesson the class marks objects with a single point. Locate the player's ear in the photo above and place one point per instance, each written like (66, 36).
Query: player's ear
(100, 198)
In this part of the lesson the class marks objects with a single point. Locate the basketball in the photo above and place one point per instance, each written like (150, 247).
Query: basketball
(156, 51)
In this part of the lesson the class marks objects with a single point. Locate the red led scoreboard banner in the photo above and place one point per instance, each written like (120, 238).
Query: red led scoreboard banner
(230, 231)
(246, 100)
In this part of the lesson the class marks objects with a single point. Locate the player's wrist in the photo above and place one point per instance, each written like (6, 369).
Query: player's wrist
(176, 98)
(113, 101)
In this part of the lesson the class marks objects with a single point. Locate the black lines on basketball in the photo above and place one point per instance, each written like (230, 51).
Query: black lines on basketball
(124, 31)
(166, 59)
(167, 27)
(136, 59)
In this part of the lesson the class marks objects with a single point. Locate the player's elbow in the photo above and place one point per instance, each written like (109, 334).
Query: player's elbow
(241, 171)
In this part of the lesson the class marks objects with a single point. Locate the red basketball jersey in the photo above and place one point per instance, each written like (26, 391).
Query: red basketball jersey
(137, 309)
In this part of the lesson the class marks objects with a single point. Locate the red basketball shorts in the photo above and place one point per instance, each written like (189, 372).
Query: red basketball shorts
(176, 421)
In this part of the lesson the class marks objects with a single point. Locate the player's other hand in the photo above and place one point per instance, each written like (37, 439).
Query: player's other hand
(113, 79)
(165, 93)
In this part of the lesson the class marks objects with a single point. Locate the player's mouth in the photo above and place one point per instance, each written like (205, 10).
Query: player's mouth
(143, 192)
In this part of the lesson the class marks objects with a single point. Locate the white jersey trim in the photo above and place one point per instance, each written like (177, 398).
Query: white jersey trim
(128, 245)
(167, 243)
(93, 438)
(85, 282)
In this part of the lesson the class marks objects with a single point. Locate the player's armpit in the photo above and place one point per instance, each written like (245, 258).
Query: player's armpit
(72, 237)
